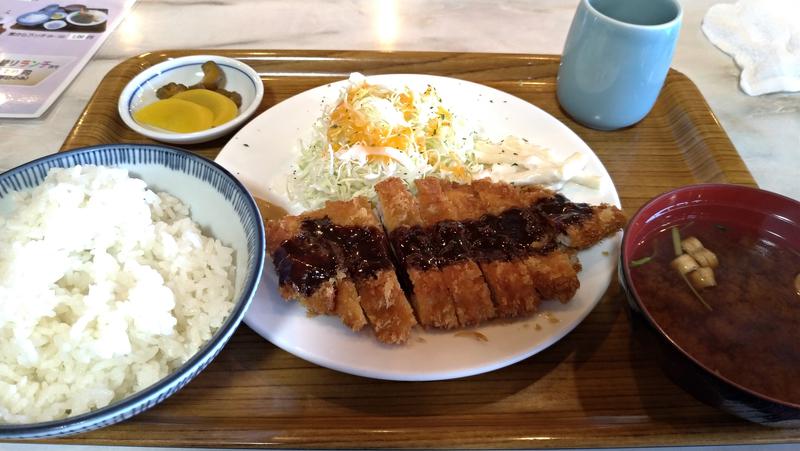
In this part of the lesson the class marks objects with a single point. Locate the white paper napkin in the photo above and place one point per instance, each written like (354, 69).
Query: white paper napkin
(763, 37)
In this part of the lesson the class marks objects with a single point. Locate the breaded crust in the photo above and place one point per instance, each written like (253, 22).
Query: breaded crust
(475, 298)
(465, 281)
(279, 230)
(553, 274)
(348, 305)
(396, 205)
(606, 220)
(512, 287)
(433, 204)
(381, 297)
(496, 197)
(471, 295)
(431, 298)
(387, 308)
(323, 300)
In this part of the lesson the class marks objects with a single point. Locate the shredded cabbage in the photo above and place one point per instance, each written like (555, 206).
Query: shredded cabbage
(374, 132)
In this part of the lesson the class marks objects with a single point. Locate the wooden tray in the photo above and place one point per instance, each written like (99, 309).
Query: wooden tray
(597, 387)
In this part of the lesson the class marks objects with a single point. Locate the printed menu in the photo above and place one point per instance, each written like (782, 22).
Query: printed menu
(43, 46)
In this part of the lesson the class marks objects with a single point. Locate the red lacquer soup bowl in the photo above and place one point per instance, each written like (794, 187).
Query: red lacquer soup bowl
(726, 320)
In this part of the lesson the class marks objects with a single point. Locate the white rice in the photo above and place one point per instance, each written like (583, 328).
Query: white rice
(105, 288)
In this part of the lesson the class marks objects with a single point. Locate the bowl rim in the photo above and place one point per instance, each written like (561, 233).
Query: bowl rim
(69, 15)
(631, 287)
(60, 22)
(137, 82)
(121, 409)
(31, 23)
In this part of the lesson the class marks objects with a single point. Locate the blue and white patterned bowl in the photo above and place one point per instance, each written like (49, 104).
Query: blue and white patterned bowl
(218, 202)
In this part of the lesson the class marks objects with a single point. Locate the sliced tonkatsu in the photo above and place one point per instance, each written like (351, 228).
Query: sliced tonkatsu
(430, 296)
(336, 261)
(550, 267)
(466, 253)
(360, 236)
(305, 264)
(513, 289)
(465, 281)
(582, 225)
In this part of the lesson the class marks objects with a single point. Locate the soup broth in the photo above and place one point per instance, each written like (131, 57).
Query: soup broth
(84, 18)
(751, 334)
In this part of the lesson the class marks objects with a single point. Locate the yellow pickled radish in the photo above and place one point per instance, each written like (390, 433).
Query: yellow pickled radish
(176, 115)
(223, 108)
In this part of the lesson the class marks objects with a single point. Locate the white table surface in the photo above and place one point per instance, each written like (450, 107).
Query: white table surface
(765, 129)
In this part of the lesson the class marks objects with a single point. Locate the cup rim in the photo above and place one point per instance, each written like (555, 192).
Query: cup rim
(675, 20)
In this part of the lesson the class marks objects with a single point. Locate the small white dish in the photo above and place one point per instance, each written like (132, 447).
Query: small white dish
(55, 25)
(187, 70)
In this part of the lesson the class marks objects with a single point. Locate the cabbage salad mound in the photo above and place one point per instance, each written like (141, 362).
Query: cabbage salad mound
(106, 287)
(374, 132)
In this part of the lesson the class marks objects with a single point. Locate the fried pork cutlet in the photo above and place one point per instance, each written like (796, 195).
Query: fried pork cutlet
(430, 297)
(335, 261)
(315, 271)
(583, 225)
(346, 302)
(551, 269)
(467, 252)
(507, 277)
(369, 265)
(465, 281)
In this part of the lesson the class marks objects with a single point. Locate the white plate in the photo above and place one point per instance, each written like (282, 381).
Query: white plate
(261, 155)
(99, 17)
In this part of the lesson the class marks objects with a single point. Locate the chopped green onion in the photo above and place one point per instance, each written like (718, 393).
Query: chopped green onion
(641, 261)
(676, 241)
(700, 298)
(721, 227)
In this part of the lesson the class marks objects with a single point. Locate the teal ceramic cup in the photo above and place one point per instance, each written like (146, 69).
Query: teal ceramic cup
(615, 60)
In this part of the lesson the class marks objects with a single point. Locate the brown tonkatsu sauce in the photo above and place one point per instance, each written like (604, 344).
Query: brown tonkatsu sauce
(448, 242)
(323, 248)
(305, 261)
(563, 213)
(412, 247)
(514, 233)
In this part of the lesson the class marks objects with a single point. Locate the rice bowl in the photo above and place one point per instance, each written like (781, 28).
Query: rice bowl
(112, 323)
(105, 288)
